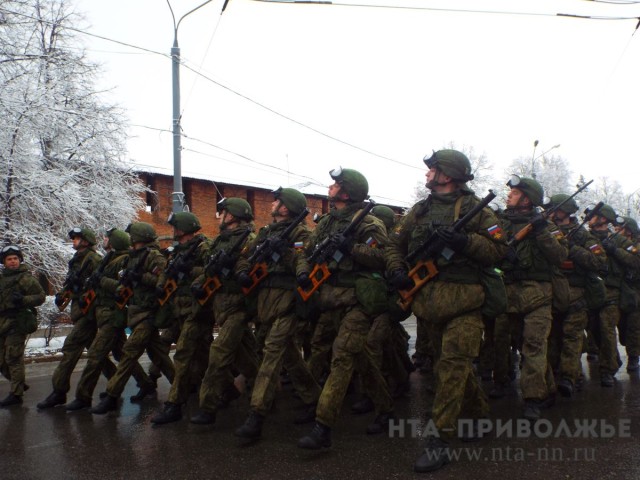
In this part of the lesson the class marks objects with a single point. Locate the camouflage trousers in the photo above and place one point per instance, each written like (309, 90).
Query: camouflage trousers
(81, 337)
(277, 318)
(350, 348)
(108, 339)
(12, 361)
(487, 355)
(143, 337)
(458, 393)
(423, 343)
(324, 334)
(235, 346)
(566, 339)
(629, 330)
(168, 336)
(192, 354)
(529, 320)
(607, 322)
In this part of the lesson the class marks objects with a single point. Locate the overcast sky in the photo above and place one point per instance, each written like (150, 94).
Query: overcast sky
(380, 86)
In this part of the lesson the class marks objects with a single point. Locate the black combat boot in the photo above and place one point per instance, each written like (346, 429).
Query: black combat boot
(144, 392)
(11, 399)
(55, 398)
(172, 413)
(77, 404)
(203, 417)
(606, 380)
(107, 404)
(565, 387)
(308, 415)
(320, 437)
(363, 406)
(632, 363)
(252, 427)
(434, 456)
(532, 409)
(381, 423)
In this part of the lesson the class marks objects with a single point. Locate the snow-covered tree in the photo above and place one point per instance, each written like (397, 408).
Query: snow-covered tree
(62, 148)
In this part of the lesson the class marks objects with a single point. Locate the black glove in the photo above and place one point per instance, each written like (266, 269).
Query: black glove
(539, 223)
(82, 303)
(303, 280)
(197, 291)
(278, 244)
(244, 279)
(400, 280)
(17, 298)
(93, 281)
(342, 243)
(609, 246)
(59, 300)
(456, 241)
(160, 293)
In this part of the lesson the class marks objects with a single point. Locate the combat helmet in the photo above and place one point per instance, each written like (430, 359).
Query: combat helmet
(11, 250)
(385, 214)
(118, 239)
(570, 206)
(238, 207)
(352, 182)
(84, 233)
(609, 213)
(186, 222)
(452, 163)
(631, 225)
(294, 200)
(141, 232)
(530, 187)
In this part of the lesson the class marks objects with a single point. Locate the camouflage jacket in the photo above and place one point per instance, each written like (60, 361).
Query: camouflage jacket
(21, 281)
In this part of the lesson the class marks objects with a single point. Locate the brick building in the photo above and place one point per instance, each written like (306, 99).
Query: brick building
(202, 196)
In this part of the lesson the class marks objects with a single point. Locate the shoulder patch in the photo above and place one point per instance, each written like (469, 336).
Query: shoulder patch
(495, 232)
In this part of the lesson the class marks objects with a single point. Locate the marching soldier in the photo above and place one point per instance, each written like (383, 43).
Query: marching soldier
(20, 294)
(353, 293)
(190, 359)
(276, 306)
(138, 282)
(81, 266)
(450, 303)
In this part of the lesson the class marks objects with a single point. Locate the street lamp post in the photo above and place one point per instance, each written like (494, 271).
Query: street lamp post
(533, 160)
(178, 204)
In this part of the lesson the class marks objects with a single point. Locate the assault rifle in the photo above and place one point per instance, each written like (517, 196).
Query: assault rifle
(425, 268)
(270, 250)
(129, 279)
(589, 213)
(220, 263)
(176, 269)
(331, 248)
(70, 286)
(526, 230)
(87, 298)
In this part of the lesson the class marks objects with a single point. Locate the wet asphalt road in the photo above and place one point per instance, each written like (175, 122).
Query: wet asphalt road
(54, 444)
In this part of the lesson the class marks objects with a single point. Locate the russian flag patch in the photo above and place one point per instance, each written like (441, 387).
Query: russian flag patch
(495, 232)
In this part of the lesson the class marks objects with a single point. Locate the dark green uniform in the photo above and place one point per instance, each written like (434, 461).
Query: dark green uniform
(277, 316)
(450, 305)
(16, 283)
(111, 322)
(235, 345)
(81, 266)
(585, 262)
(343, 303)
(147, 262)
(528, 278)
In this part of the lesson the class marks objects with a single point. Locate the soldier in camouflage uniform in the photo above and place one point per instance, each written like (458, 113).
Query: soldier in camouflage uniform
(528, 268)
(620, 259)
(191, 357)
(277, 301)
(350, 299)
(235, 345)
(111, 320)
(81, 266)
(20, 293)
(629, 327)
(585, 262)
(450, 304)
(144, 266)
